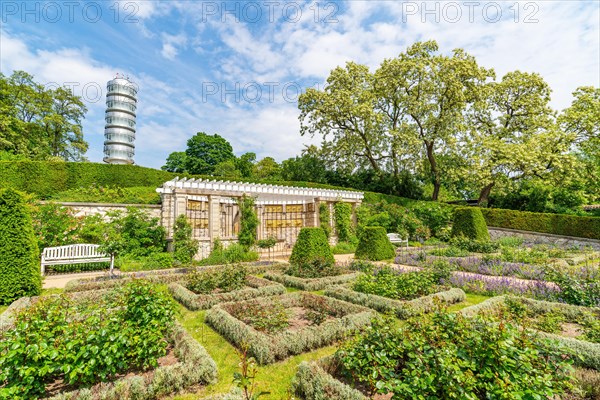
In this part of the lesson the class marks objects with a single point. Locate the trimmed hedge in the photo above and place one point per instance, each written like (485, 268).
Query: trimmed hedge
(267, 349)
(557, 224)
(19, 264)
(469, 223)
(310, 284)
(311, 244)
(374, 245)
(588, 353)
(313, 382)
(257, 288)
(402, 309)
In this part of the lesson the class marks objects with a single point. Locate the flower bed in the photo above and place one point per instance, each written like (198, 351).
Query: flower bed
(402, 309)
(340, 318)
(550, 317)
(158, 276)
(310, 284)
(478, 264)
(92, 345)
(257, 287)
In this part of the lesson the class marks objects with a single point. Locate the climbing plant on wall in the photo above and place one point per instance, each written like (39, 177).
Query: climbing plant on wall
(342, 213)
(248, 221)
(324, 216)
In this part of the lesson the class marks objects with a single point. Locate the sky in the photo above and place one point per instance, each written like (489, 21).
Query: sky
(237, 68)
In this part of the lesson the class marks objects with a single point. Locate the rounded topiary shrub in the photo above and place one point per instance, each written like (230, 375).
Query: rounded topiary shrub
(19, 265)
(311, 245)
(469, 223)
(374, 245)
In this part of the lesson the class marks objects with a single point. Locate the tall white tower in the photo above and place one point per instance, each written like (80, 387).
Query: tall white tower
(119, 131)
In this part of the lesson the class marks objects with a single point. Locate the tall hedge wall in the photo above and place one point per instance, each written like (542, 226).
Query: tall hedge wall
(19, 265)
(558, 224)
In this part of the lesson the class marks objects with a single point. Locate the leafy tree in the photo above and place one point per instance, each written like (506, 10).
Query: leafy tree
(227, 169)
(308, 167)
(40, 122)
(582, 119)
(429, 93)
(19, 263)
(344, 114)
(267, 168)
(514, 135)
(176, 162)
(245, 164)
(204, 152)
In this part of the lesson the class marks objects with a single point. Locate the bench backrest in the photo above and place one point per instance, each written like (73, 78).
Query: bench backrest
(394, 236)
(72, 252)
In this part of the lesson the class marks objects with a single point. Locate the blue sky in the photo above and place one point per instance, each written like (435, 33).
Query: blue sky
(236, 68)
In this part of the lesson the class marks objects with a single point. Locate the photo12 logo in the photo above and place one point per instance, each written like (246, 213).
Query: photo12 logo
(129, 11)
(252, 92)
(469, 11)
(69, 11)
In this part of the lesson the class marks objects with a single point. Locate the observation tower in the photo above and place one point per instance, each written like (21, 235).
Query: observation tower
(119, 131)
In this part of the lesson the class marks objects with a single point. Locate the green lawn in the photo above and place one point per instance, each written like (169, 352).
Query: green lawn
(275, 378)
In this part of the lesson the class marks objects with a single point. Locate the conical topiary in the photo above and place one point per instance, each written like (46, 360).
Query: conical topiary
(374, 245)
(469, 223)
(312, 244)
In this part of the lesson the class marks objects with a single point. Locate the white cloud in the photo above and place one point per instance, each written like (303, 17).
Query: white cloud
(171, 44)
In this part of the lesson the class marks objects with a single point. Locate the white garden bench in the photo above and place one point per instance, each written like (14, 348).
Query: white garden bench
(396, 238)
(74, 254)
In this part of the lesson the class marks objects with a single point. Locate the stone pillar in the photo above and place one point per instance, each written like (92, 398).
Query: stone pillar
(214, 218)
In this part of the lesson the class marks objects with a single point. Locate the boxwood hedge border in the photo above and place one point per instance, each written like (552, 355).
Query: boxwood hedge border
(258, 287)
(310, 284)
(402, 308)
(267, 349)
(313, 382)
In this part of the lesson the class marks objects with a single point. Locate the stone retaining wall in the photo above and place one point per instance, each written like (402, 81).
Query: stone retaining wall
(544, 238)
(85, 209)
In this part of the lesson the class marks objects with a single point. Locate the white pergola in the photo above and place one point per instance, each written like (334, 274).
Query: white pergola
(264, 193)
(210, 206)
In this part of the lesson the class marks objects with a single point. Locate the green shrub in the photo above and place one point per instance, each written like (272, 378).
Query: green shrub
(84, 342)
(469, 223)
(343, 248)
(557, 224)
(450, 251)
(54, 225)
(234, 253)
(315, 268)
(184, 247)
(19, 263)
(269, 318)
(401, 286)
(311, 244)
(374, 245)
(226, 278)
(446, 355)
